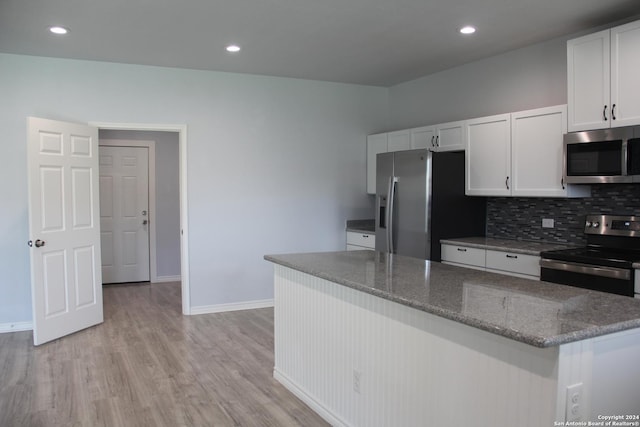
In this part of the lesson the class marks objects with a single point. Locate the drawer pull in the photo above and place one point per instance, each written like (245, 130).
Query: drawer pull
(462, 250)
(366, 236)
(512, 256)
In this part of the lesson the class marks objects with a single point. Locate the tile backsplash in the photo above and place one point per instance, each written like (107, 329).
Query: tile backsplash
(521, 217)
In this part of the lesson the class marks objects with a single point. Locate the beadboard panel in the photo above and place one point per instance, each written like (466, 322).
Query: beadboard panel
(360, 360)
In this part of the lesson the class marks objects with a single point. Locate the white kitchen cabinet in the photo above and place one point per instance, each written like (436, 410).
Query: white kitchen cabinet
(443, 137)
(513, 264)
(463, 256)
(625, 66)
(399, 140)
(360, 241)
(537, 154)
(423, 137)
(508, 263)
(519, 154)
(488, 159)
(375, 144)
(602, 85)
(588, 78)
(450, 136)
(382, 143)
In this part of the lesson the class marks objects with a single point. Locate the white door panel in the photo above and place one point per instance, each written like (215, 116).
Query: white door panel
(63, 207)
(124, 208)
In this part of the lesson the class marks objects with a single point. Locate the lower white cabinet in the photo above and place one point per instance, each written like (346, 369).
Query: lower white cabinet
(463, 256)
(512, 264)
(360, 241)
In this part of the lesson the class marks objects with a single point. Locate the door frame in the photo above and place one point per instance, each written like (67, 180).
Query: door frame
(151, 147)
(184, 204)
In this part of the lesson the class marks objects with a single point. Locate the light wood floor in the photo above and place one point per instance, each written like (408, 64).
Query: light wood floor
(148, 365)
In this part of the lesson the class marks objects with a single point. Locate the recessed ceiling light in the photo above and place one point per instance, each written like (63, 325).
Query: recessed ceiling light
(58, 30)
(233, 48)
(468, 29)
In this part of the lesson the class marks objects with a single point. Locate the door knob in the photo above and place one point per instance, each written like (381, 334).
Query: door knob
(145, 222)
(39, 243)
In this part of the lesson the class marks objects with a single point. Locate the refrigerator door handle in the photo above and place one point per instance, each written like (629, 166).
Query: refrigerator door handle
(391, 195)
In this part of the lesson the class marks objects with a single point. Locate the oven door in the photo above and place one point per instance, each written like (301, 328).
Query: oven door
(605, 279)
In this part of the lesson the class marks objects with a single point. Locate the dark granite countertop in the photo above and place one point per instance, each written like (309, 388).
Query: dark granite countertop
(506, 245)
(537, 313)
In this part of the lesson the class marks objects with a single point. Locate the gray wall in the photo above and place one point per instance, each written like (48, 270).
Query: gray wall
(274, 165)
(532, 77)
(167, 215)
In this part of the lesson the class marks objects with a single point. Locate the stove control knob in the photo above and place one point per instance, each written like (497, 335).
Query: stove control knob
(588, 224)
(595, 224)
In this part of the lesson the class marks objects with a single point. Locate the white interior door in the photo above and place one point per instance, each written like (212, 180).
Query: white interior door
(124, 214)
(64, 227)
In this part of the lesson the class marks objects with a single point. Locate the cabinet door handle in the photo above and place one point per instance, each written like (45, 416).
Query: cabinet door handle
(604, 113)
(506, 182)
(432, 143)
(462, 250)
(438, 141)
(512, 256)
(613, 112)
(562, 182)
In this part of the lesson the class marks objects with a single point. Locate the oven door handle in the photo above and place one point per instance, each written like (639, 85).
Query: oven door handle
(575, 267)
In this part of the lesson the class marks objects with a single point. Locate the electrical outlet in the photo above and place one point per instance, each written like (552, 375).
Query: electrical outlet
(356, 381)
(547, 223)
(574, 402)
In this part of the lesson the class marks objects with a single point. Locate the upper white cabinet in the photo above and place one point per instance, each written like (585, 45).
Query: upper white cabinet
(537, 154)
(423, 137)
(488, 159)
(602, 83)
(519, 154)
(625, 69)
(443, 137)
(449, 136)
(399, 140)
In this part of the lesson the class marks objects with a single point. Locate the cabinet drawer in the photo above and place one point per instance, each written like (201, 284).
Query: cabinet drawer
(361, 239)
(463, 255)
(514, 263)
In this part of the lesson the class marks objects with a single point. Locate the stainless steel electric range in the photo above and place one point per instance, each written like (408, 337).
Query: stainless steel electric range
(605, 264)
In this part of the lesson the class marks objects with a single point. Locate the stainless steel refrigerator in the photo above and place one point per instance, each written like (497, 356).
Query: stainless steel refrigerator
(420, 200)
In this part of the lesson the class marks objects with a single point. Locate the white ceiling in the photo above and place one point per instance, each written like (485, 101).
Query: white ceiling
(371, 42)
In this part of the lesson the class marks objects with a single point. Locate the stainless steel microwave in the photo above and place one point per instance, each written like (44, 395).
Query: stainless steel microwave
(602, 156)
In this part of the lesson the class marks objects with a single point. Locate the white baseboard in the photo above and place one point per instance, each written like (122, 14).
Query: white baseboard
(312, 403)
(162, 279)
(15, 327)
(234, 306)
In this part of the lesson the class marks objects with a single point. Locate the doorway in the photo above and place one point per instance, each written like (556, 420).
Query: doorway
(162, 268)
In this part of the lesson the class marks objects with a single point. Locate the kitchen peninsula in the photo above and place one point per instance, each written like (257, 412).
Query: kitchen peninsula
(371, 339)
